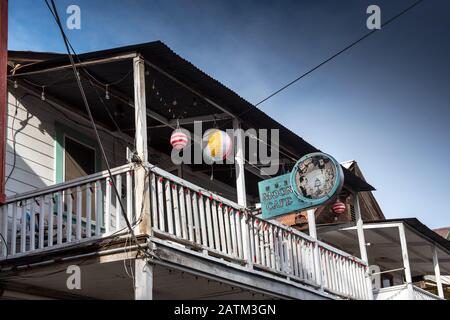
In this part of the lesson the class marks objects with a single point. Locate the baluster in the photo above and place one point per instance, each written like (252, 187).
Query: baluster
(32, 225)
(169, 207)
(23, 228)
(129, 182)
(154, 201)
(176, 211)
(79, 211)
(88, 210)
(290, 262)
(98, 207)
(222, 234)
(192, 222)
(209, 225)
(59, 218)
(41, 222)
(69, 215)
(217, 234)
(184, 223)
(233, 225)
(256, 241)
(266, 245)
(14, 229)
(274, 254)
(118, 201)
(51, 208)
(199, 224)
(162, 223)
(5, 213)
(239, 234)
(108, 183)
(226, 220)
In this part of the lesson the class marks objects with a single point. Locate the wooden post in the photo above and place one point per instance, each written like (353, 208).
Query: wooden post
(3, 91)
(362, 244)
(437, 273)
(142, 180)
(143, 288)
(316, 253)
(401, 230)
(240, 164)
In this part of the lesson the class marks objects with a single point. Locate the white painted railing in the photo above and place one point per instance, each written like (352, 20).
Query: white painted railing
(65, 213)
(421, 294)
(185, 213)
(400, 292)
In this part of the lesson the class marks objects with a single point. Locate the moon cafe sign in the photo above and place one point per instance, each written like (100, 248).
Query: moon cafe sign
(315, 179)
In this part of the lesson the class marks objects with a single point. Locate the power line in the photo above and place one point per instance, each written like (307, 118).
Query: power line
(68, 46)
(335, 55)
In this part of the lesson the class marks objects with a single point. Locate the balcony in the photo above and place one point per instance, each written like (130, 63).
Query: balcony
(401, 292)
(184, 218)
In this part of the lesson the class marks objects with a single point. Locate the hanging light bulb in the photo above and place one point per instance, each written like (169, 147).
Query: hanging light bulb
(15, 84)
(43, 93)
(194, 102)
(107, 97)
(175, 102)
(153, 85)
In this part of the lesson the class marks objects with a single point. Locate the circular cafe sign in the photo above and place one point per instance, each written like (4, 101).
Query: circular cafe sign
(316, 178)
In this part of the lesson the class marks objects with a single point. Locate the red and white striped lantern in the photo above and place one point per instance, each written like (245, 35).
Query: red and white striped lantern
(339, 207)
(179, 139)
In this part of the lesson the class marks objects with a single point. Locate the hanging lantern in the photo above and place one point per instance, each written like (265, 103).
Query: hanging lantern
(179, 139)
(339, 207)
(217, 145)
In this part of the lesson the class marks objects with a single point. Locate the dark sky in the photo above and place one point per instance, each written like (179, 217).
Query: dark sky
(384, 103)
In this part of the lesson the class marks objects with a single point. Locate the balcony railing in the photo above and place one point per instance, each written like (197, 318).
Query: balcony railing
(182, 213)
(185, 213)
(65, 213)
(400, 292)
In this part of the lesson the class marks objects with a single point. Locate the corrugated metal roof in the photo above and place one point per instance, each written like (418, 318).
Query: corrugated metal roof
(161, 55)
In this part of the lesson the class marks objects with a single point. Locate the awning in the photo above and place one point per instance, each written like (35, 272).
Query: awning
(384, 248)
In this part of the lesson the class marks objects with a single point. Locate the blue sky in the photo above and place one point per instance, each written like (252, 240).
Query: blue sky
(384, 103)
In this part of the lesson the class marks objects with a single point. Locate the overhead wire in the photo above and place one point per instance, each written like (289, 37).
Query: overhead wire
(67, 44)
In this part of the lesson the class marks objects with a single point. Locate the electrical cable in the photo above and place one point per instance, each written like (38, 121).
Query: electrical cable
(88, 110)
(334, 55)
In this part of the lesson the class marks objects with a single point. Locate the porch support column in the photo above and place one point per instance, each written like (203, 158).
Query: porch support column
(240, 164)
(142, 181)
(408, 278)
(3, 91)
(362, 244)
(143, 287)
(437, 273)
(316, 253)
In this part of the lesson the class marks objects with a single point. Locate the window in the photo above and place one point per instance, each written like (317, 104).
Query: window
(79, 159)
(76, 155)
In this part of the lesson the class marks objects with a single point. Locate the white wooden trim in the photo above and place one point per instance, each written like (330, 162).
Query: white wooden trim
(405, 257)
(437, 273)
(240, 164)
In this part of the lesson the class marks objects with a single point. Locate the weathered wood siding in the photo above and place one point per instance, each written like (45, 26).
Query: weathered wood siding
(31, 127)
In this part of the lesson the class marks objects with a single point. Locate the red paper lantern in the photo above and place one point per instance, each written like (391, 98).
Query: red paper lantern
(178, 139)
(339, 207)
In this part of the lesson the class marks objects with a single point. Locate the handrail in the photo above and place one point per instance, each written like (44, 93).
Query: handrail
(427, 293)
(68, 184)
(192, 186)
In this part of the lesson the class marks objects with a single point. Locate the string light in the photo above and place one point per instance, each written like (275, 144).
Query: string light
(15, 84)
